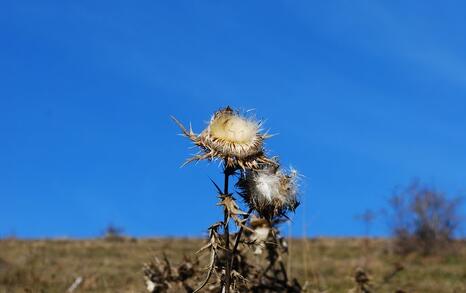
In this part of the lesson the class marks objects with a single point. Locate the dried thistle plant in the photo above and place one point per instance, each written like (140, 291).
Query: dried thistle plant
(268, 193)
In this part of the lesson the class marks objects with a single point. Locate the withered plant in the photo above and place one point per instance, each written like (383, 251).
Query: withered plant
(424, 219)
(268, 193)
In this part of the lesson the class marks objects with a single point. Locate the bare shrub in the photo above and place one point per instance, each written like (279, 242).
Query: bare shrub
(423, 218)
(113, 233)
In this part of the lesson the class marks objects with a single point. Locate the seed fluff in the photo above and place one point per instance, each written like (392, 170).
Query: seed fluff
(270, 191)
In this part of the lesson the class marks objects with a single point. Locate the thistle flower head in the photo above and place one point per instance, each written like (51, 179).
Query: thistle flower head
(231, 137)
(270, 191)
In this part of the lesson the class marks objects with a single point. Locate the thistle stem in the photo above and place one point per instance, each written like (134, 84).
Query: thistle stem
(237, 240)
(227, 171)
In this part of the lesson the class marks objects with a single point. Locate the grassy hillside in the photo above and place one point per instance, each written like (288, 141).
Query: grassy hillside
(115, 266)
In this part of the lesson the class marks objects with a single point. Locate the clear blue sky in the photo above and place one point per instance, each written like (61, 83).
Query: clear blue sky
(365, 95)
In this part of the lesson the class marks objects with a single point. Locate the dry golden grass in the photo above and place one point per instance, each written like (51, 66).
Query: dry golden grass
(115, 266)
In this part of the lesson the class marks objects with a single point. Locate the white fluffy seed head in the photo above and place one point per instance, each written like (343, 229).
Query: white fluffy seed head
(235, 139)
(233, 135)
(270, 191)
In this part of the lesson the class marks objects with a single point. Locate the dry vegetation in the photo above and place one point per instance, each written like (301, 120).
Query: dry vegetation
(245, 252)
(329, 265)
